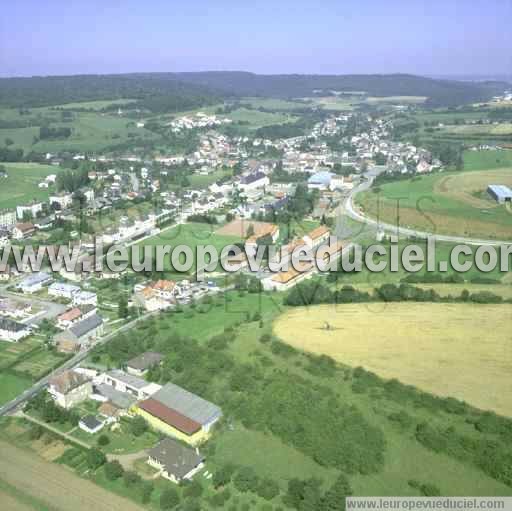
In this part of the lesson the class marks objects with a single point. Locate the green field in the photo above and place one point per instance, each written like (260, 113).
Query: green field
(449, 202)
(91, 131)
(191, 235)
(12, 385)
(203, 181)
(276, 104)
(256, 119)
(95, 105)
(20, 187)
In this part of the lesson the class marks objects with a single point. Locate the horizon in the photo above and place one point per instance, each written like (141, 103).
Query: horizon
(294, 38)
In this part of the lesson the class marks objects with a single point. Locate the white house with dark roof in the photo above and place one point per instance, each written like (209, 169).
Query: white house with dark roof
(69, 388)
(12, 331)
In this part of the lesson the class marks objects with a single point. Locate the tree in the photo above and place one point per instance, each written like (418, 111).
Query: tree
(131, 478)
(169, 499)
(113, 470)
(146, 491)
(95, 458)
(268, 489)
(103, 440)
(223, 475)
(122, 310)
(246, 480)
(138, 426)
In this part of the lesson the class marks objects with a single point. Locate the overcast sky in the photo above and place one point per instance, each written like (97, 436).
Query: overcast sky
(430, 37)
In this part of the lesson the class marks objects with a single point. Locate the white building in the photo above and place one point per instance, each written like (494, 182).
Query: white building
(69, 388)
(62, 290)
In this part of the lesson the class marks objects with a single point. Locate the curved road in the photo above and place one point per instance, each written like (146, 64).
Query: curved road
(354, 213)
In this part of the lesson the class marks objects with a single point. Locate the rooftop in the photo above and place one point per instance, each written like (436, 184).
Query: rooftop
(85, 326)
(177, 459)
(67, 381)
(145, 360)
(128, 379)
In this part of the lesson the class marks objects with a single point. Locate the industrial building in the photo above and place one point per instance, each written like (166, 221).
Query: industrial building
(500, 193)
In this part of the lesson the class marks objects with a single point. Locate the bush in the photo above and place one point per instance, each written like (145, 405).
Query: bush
(113, 470)
(103, 440)
(146, 491)
(131, 478)
(138, 426)
(268, 489)
(169, 499)
(95, 458)
(246, 480)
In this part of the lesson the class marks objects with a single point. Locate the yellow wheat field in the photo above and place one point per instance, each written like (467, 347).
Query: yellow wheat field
(458, 350)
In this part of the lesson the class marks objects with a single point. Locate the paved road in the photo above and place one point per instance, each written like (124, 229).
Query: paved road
(353, 212)
(49, 310)
(72, 362)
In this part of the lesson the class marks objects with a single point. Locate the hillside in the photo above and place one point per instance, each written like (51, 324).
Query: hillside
(179, 91)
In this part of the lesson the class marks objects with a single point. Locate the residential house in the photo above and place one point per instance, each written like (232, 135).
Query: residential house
(317, 236)
(23, 230)
(90, 424)
(110, 412)
(34, 282)
(69, 388)
(85, 298)
(63, 290)
(63, 199)
(175, 461)
(140, 365)
(81, 333)
(75, 315)
(7, 217)
(31, 209)
(124, 382)
(13, 331)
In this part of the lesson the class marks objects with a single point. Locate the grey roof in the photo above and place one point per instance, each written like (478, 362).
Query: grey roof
(188, 404)
(35, 278)
(11, 325)
(145, 360)
(90, 421)
(128, 379)
(176, 458)
(121, 399)
(84, 327)
(501, 191)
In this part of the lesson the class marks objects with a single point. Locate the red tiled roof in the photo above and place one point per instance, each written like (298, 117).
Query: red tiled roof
(170, 416)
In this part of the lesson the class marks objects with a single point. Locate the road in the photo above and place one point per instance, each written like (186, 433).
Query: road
(353, 212)
(72, 362)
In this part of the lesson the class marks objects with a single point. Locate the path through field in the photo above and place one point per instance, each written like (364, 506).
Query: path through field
(55, 485)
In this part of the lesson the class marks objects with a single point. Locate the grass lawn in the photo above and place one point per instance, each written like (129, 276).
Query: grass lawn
(10, 352)
(445, 203)
(40, 363)
(95, 105)
(191, 235)
(12, 385)
(203, 181)
(276, 104)
(20, 186)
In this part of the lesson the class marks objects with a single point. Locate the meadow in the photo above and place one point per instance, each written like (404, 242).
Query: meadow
(20, 185)
(256, 119)
(456, 350)
(449, 202)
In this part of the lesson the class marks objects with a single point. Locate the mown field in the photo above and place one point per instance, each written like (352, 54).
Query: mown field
(256, 119)
(457, 350)
(90, 130)
(450, 202)
(20, 186)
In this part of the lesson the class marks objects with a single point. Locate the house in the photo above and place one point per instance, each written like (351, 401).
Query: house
(269, 231)
(500, 193)
(110, 412)
(63, 200)
(287, 279)
(43, 223)
(83, 332)
(175, 461)
(75, 315)
(14, 309)
(85, 298)
(69, 388)
(124, 382)
(34, 282)
(254, 181)
(158, 295)
(7, 217)
(29, 209)
(320, 180)
(13, 331)
(122, 400)
(23, 230)
(177, 412)
(317, 236)
(90, 424)
(62, 290)
(140, 365)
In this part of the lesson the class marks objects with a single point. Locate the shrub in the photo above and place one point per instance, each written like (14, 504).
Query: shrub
(113, 470)
(103, 440)
(169, 499)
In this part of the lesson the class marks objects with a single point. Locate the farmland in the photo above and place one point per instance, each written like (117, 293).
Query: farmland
(439, 348)
(448, 203)
(21, 184)
(256, 119)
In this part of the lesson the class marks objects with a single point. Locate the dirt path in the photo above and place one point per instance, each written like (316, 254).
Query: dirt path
(11, 504)
(55, 485)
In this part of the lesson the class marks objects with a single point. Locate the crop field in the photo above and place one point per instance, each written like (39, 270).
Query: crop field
(21, 184)
(479, 129)
(11, 385)
(445, 203)
(410, 100)
(457, 350)
(10, 352)
(37, 365)
(54, 485)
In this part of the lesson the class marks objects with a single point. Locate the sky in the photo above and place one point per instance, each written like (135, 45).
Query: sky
(429, 37)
